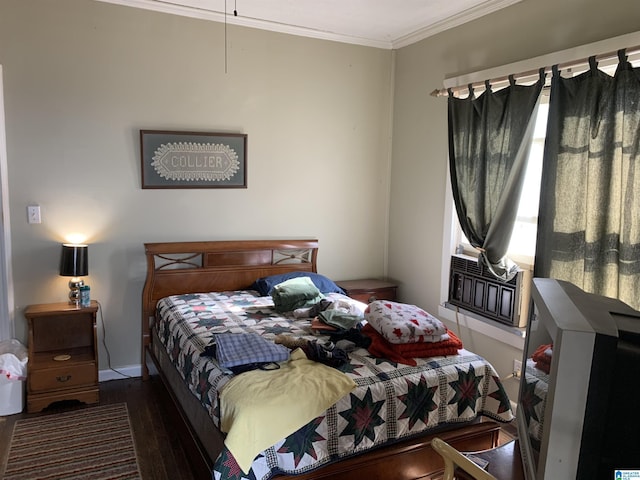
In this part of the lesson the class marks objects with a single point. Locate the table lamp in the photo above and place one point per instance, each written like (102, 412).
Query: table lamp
(74, 263)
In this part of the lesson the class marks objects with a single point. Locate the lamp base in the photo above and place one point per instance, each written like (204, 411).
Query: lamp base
(74, 291)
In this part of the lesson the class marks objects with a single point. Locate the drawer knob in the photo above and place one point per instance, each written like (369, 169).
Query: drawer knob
(372, 298)
(64, 378)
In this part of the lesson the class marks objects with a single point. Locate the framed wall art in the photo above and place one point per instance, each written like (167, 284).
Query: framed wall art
(193, 159)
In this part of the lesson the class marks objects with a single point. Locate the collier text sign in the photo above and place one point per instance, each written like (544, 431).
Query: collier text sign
(193, 159)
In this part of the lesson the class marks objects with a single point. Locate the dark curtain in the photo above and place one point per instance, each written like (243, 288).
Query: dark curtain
(489, 143)
(589, 219)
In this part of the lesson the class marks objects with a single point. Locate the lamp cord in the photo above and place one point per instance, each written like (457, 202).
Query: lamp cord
(104, 343)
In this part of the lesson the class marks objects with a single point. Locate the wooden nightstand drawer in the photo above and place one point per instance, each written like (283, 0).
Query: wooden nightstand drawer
(62, 377)
(369, 290)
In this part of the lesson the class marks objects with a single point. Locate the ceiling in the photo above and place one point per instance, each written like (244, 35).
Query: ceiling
(388, 24)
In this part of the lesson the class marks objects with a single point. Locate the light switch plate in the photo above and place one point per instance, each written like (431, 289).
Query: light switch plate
(33, 214)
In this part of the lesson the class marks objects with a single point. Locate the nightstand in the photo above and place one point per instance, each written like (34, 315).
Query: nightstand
(63, 354)
(368, 290)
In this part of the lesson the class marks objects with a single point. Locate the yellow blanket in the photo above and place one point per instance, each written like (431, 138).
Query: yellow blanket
(259, 407)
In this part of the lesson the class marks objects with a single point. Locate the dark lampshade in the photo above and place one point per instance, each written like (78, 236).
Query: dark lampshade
(74, 261)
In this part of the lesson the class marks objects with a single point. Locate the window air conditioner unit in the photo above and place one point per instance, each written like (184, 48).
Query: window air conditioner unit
(472, 287)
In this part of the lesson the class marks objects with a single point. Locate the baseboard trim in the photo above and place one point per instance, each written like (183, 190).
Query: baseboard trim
(120, 373)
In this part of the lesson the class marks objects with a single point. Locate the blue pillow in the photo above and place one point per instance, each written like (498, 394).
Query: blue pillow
(325, 285)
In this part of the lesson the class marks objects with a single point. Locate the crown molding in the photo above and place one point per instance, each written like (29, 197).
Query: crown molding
(192, 12)
(469, 15)
(484, 8)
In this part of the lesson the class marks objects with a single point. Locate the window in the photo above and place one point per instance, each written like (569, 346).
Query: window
(523, 239)
(522, 247)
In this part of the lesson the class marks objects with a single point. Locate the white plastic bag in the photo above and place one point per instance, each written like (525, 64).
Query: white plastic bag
(13, 359)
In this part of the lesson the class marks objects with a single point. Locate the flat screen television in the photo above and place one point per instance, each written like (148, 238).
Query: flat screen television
(578, 414)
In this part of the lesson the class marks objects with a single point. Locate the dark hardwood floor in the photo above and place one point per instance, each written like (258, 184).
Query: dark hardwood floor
(160, 454)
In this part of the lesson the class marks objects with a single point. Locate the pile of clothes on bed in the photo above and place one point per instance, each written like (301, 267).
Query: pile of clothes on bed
(301, 297)
(402, 332)
(397, 331)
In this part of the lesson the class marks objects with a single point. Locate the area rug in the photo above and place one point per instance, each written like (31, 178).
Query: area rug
(92, 443)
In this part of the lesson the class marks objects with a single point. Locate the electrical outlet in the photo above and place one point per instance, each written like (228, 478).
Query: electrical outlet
(33, 214)
(517, 368)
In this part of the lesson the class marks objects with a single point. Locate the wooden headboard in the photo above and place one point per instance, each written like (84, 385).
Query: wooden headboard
(195, 267)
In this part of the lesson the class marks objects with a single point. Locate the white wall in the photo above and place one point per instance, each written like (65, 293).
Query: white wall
(419, 170)
(81, 78)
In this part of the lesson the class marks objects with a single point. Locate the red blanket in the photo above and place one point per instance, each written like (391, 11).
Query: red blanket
(542, 357)
(406, 352)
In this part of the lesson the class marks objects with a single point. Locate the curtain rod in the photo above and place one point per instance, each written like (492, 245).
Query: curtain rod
(533, 75)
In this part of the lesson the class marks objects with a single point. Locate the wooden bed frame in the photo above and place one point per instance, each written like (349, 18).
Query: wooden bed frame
(192, 267)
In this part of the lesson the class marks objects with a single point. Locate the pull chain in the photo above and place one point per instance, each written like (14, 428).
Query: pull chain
(225, 36)
(235, 14)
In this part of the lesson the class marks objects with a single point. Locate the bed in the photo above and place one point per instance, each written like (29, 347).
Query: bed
(199, 283)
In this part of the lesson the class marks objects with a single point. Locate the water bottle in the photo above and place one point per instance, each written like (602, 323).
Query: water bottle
(85, 296)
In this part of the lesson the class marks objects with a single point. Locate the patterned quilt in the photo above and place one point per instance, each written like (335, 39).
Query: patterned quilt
(534, 400)
(391, 402)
